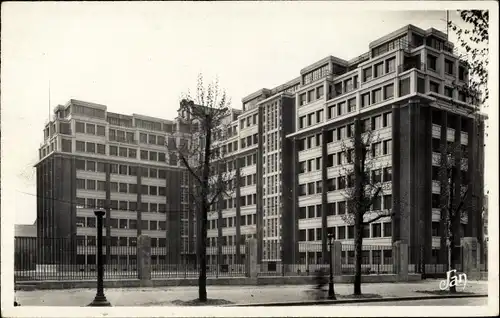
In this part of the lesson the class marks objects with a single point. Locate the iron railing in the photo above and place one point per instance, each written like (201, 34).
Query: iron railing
(75, 258)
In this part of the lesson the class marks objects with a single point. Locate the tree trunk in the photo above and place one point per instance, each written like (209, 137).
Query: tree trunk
(202, 281)
(451, 229)
(358, 246)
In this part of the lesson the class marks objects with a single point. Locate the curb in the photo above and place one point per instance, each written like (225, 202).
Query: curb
(354, 300)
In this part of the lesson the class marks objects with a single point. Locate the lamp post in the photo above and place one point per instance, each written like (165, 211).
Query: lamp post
(331, 291)
(99, 300)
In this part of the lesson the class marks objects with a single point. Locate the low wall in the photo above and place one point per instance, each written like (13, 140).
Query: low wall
(222, 281)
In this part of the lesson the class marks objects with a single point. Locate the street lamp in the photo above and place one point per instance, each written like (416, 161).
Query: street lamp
(331, 291)
(99, 300)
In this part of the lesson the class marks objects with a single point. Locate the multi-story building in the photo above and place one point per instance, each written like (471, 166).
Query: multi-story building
(287, 148)
(404, 90)
(92, 158)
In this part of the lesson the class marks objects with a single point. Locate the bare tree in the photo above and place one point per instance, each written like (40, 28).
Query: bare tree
(453, 197)
(360, 190)
(198, 143)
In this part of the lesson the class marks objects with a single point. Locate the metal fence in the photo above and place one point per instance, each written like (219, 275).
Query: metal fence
(75, 259)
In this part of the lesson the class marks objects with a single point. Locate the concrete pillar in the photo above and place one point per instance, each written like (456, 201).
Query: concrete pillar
(251, 258)
(336, 257)
(470, 257)
(144, 259)
(400, 260)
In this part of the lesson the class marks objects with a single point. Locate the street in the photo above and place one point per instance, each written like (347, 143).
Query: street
(483, 301)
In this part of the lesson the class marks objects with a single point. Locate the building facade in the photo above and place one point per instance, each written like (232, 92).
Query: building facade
(288, 148)
(92, 158)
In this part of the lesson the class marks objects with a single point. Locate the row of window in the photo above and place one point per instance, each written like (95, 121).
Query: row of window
(345, 86)
(122, 223)
(383, 256)
(150, 139)
(245, 200)
(90, 203)
(90, 129)
(380, 148)
(377, 70)
(340, 207)
(90, 240)
(342, 108)
(114, 168)
(228, 240)
(339, 232)
(248, 219)
(311, 95)
(248, 121)
(347, 131)
(377, 95)
(449, 66)
(88, 184)
(249, 141)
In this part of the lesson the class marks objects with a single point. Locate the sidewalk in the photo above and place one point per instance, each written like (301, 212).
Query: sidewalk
(164, 296)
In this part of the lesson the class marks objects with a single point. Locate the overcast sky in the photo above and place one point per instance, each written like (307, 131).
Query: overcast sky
(139, 57)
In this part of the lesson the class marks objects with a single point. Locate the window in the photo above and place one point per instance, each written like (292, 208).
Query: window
(367, 74)
(421, 85)
(90, 129)
(101, 149)
(350, 231)
(448, 91)
(449, 67)
(387, 202)
(376, 230)
(80, 184)
(390, 65)
(90, 165)
(387, 174)
(389, 91)
(341, 233)
(319, 92)
(376, 149)
(436, 201)
(90, 184)
(376, 176)
(302, 100)
(434, 87)
(461, 73)
(404, 87)
(101, 130)
(66, 145)
(365, 100)
(379, 69)
(302, 235)
(90, 147)
(432, 62)
(387, 229)
(366, 232)
(351, 105)
(387, 147)
(387, 121)
(377, 96)
(341, 207)
(80, 146)
(435, 228)
(377, 122)
(80, 127)
(113, 150)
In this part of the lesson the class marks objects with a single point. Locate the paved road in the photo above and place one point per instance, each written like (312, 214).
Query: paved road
(429, 302)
